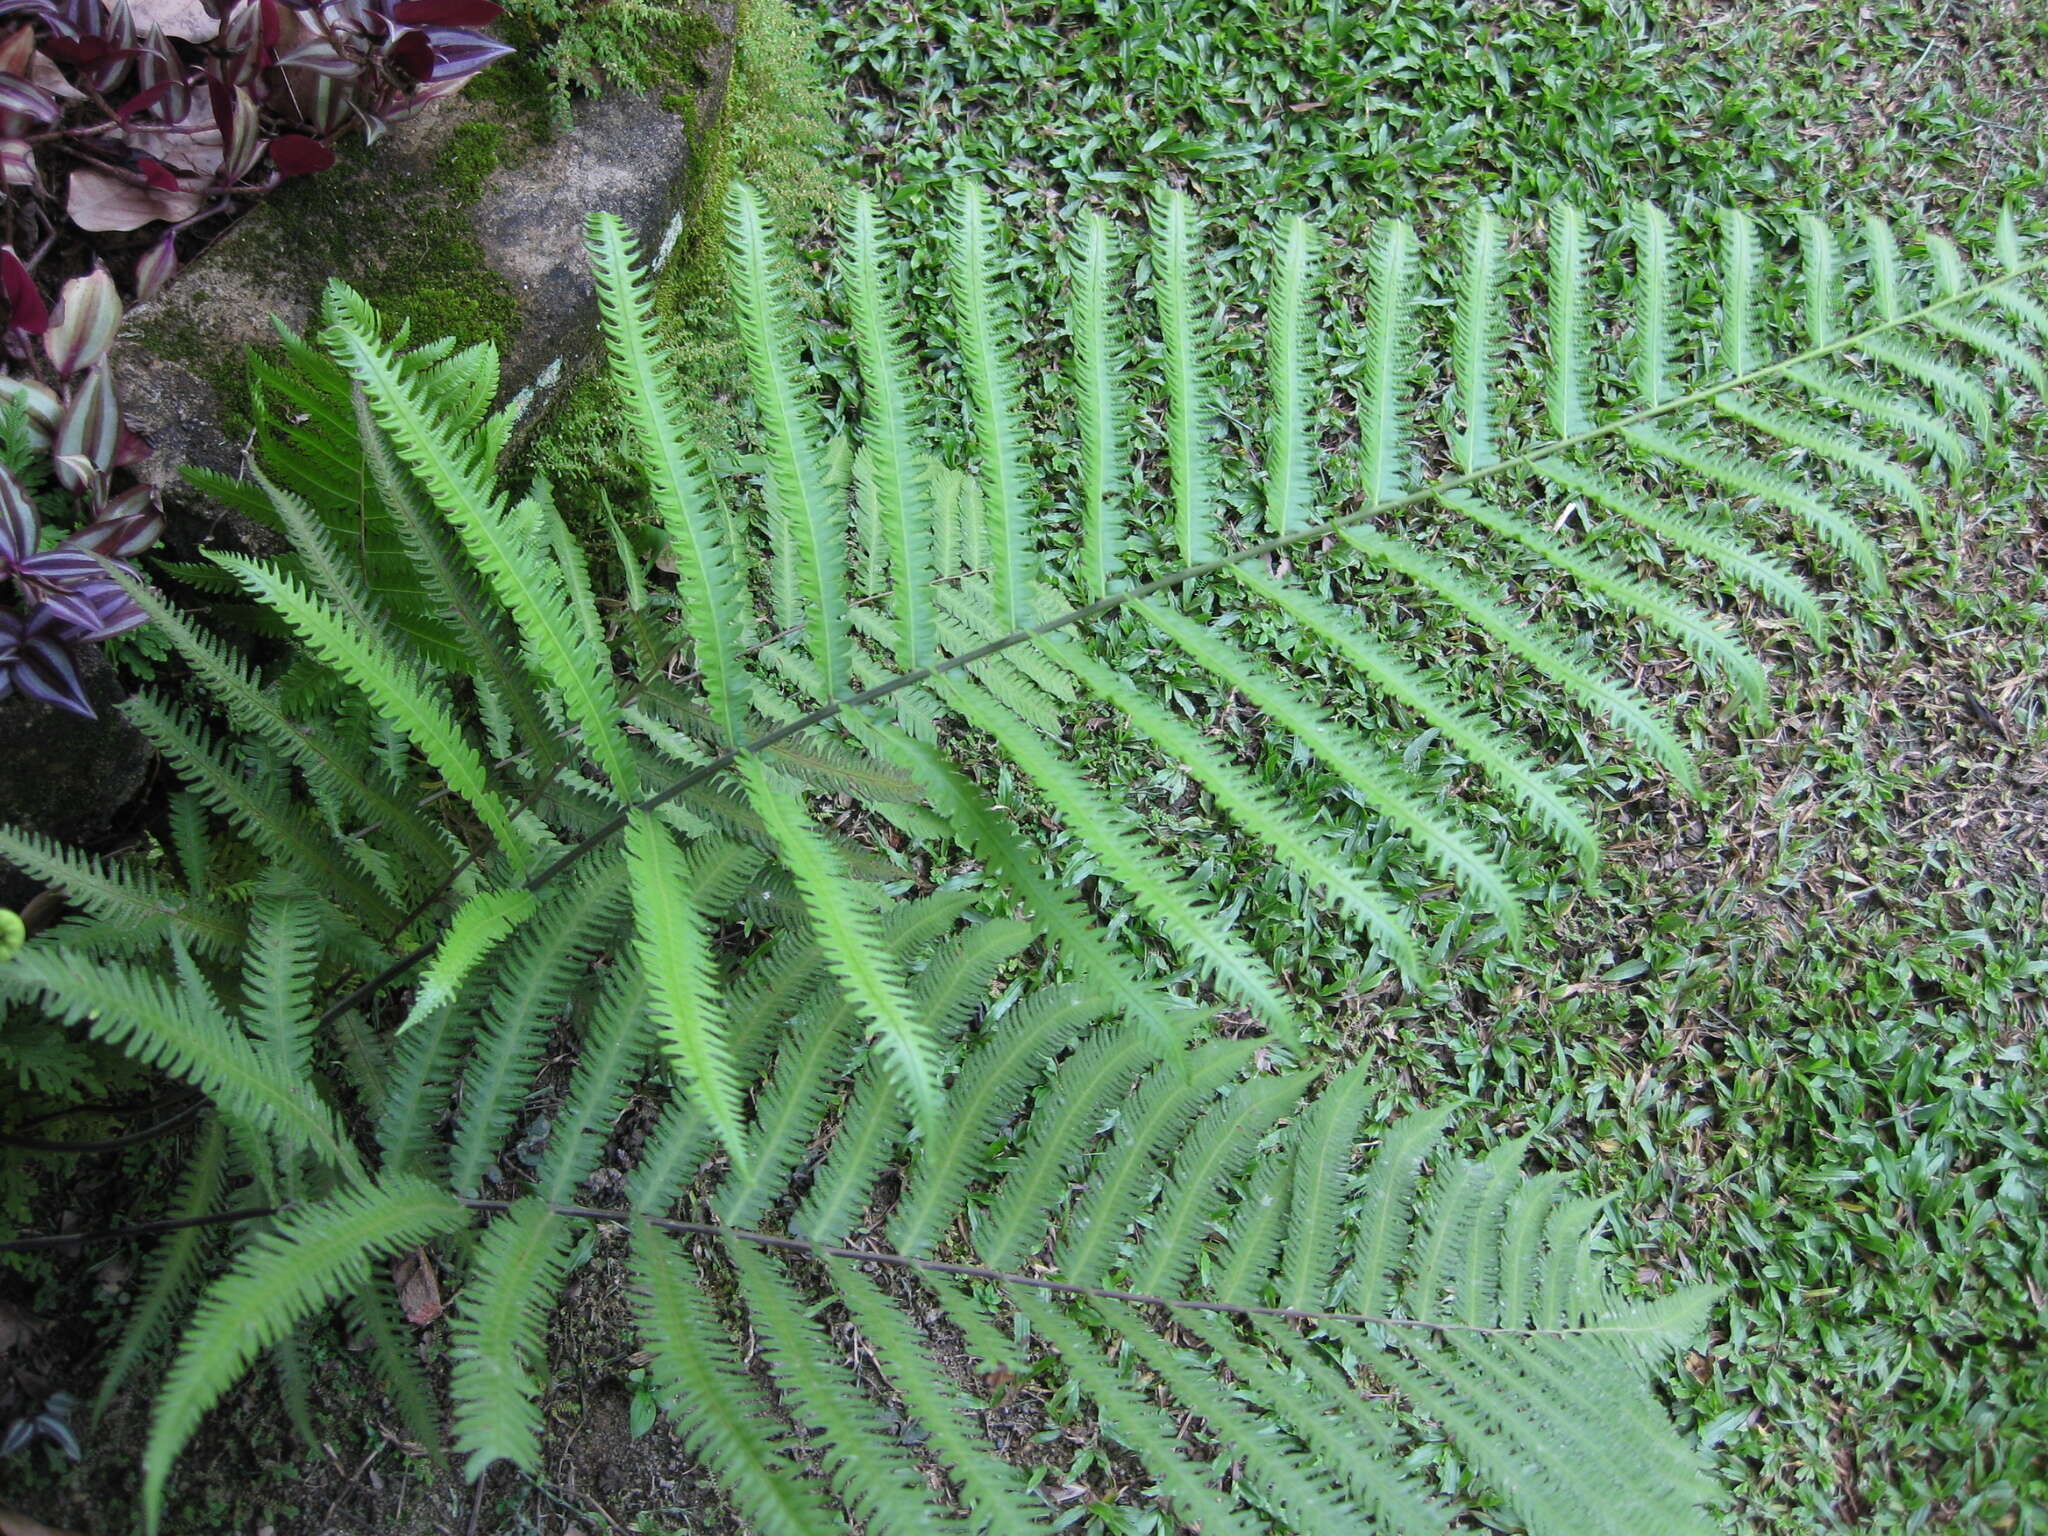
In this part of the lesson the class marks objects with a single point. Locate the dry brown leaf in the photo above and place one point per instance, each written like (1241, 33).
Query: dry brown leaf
(12, 1524)
(99, 201)
(179, 18)
(191, 145)
(419, 1291)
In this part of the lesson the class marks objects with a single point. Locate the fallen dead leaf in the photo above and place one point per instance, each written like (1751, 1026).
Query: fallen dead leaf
(419, 1290)
(102, 202)
(179, 18)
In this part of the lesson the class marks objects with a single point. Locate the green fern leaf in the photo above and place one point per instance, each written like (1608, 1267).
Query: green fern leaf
(721, 1411)
(184, 1032)
(1101, 393)
(174, 1268)
(675, 952)
(1191, 403)
(893, 418)
(1173, 1095)
(1568, 394)
(478, 926)
(1651, 231)
(795, 432)
(850, 938)
(1476, 335)
(400, 694)
(1346, 753)
(1290, 334)
(1322, 1170)
(497, 1342)
(988, 359)
(309, 1258)
(1249, 802)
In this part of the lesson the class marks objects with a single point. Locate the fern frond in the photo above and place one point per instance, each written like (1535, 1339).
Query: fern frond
(536, 975)
(795, 432)
(868, 1138)
(120, 893)
(1322, 1170)
(499, 543)
(1108, 832)
(255, 809)
(174, 1268)
(1480, 321)
(1352, 1435)
(309, 1258)
(400, 694)
(1290, 335)
(1881, 259)
(1249, 802)
(1651, 231)
(1568, 393)
(1706, 637)
(277, 976)
(1745, 477)
(1173, 1095)
(1217, 1152)
(416, 1092)
(394, 1358)
(1386, 467)
(1385, 1208)
(1101, 393)
(720, 1410)
(1191, 403)
(328, 762)
(1087, 1083)
(497, 1343)
(1821, 268)
(488, 647)
(992, 1489)
(988, 360)
(1516, 773)
(1840, 387)
(880, 1485)
(1135, 1420)
(988, 1089)
(792, 1106)
(1301, 1486)
(483, 922)
(1258, 1222)
(184, 1032)
(1346, 753)
(1739, 261)
(675, 952)
(893, 420)
(617, 1039)
(851, 940)
(1797, 429)
(1735, 556)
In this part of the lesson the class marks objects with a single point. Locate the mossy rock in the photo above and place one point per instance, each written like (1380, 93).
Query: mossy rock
(467, 221)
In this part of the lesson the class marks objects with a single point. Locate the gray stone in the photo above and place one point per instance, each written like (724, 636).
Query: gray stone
(65, 776)
(395, 208)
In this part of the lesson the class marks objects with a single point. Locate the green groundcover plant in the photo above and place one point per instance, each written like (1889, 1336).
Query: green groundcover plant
(855, 1045)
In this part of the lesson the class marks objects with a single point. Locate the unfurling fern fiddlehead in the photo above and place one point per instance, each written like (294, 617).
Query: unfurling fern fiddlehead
(721, 931)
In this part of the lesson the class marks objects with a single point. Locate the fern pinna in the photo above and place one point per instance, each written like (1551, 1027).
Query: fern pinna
(862, 1099)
